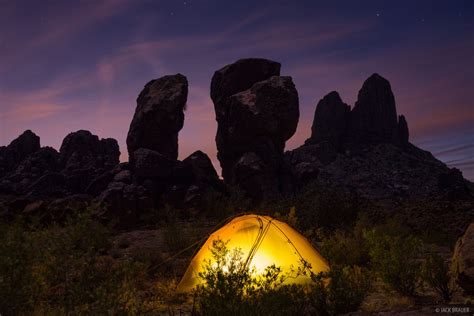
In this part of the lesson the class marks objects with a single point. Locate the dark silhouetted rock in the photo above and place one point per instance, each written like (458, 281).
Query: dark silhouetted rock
(238, 77)
(191, 180)
(82, 149)
(20, 148)
(51, 184)
(256, 177)
(453, 184)
(202, 167)
(330, 120)
(99, 183)
(83, 157)
(26, 144)
(403, 133)
(258, 120)
(151, 164)
(374, 116)
(463, 261)
(123, 203)
(159, 116)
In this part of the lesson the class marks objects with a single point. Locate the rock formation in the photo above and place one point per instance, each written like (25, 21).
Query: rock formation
(331, 119)
(365, 151)
(257, 111)
(159, 116)
(463, 260)
(20, 148)
(374, 116)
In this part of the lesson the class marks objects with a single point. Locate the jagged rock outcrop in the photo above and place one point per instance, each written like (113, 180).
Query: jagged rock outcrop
(20, 148)
(257, 111)
(463, 260)
(159, 116)
(82, 157)
(26, 144)
(82, 149)
(374, 116)
(367, 151)
(330, 122)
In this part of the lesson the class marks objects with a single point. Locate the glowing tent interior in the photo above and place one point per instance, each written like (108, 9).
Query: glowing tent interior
(263, 241)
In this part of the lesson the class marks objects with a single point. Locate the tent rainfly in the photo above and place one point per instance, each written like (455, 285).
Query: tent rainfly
(263, 241)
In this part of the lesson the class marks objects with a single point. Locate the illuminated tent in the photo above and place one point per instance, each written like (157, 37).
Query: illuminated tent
(263, 241)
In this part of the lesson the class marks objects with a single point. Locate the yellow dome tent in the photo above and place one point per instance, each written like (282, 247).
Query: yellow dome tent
(263, 241)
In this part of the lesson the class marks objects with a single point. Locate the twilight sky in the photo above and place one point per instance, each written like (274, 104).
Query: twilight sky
(70, 65)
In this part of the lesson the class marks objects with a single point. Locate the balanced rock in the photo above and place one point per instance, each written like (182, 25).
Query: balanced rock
(238, 77)
(463, 260)
(257, 111)
(330, 120)
(159, 116)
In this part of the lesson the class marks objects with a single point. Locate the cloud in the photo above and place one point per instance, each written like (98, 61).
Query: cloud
(32, 111)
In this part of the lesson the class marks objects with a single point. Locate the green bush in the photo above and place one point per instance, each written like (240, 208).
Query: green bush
(230, 288)
(394, 258)
(436, 273)
(64, 269)
(19, 288)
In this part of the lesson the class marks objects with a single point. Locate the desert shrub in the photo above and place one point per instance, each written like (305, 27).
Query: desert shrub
(347, 288)
(64, 269)
(346, 247)
(19, 288)
(394, 258)
(436, 273)
(340, 290)
(230, 288)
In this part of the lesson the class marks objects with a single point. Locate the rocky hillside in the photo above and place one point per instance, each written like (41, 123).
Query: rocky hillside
(364, 149)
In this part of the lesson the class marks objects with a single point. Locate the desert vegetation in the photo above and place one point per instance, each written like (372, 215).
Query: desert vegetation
(71, 268)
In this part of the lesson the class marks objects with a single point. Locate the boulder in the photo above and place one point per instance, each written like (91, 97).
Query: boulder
(26, 144)
(374, 116)
(20, 148)
(237, 77)
(148, 163)
(257, 178)
(330, 120)
(257, 111)
(202, 167)
(159, 117)
(82, 149)
(463, 261)
(123, 203)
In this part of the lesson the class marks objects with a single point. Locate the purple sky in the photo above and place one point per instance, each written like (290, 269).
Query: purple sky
(70, 65)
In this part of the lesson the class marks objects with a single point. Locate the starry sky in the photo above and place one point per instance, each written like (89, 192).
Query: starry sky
(70, 65)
